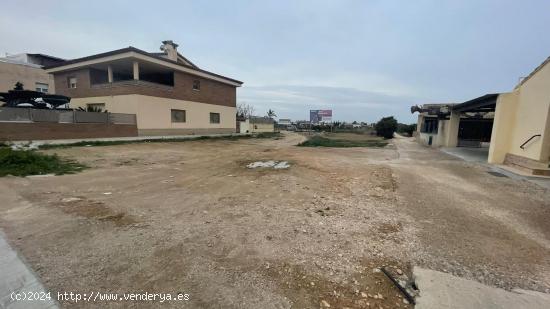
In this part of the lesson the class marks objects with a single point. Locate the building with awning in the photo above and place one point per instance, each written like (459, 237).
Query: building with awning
(514, 126)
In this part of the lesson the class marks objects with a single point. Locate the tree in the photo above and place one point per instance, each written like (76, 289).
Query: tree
(271, 114)
(18, 86)
(245, 110)
(385, 127)
(407, 129)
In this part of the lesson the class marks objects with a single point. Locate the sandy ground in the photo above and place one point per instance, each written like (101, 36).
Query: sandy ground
(191, 218)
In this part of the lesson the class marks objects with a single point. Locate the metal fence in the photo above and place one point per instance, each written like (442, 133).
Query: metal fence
(12, 114)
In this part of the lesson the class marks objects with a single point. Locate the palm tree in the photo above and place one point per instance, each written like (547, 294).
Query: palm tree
(271, 113)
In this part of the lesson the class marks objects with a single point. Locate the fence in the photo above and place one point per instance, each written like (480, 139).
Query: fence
(23, 124)
(9, 114)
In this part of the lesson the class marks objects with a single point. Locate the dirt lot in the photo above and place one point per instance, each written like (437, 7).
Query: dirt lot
(191, 218)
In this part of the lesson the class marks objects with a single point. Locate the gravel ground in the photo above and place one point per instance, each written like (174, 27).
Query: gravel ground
(192, 218)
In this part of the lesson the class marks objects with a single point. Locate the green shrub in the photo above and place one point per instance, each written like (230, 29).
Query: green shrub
(407, 129)
(318, 141)
(29, 162)
(386, 126)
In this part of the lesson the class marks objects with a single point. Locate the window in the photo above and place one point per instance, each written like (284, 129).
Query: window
(95, 107)
(41, 87)
(72, 82)
(197, 85)
(214, 117)
(430, 125)
(178, 115)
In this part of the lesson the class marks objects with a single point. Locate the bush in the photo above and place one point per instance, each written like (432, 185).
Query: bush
(385, 127)
(318, 141)
(29, 162)
(407, 129)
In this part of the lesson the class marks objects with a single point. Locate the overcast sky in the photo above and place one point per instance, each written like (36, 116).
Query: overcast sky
(362, 59)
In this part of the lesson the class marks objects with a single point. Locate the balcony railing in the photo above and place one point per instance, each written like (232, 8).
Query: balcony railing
(132, 82)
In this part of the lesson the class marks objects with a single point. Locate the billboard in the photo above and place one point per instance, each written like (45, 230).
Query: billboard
(320, 115)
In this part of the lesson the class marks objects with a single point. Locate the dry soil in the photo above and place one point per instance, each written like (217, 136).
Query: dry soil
(191, 218)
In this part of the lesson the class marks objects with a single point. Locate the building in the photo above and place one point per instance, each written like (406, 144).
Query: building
(28, 70)
(169, 94)
(514, 126)
(429, 131)
(285, 122)
(257, 125)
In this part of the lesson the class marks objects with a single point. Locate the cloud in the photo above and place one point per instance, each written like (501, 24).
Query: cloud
(347, 103)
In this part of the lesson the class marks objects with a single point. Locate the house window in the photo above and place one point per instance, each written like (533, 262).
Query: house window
(214, 117)
(41, 87)
(197, 85)
(95, 107)
(430, 125)
(178, 115)
(72, 82)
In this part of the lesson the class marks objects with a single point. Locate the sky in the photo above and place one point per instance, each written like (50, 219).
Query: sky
(362, 59)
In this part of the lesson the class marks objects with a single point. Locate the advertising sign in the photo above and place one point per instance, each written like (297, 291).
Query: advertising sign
(320, 115)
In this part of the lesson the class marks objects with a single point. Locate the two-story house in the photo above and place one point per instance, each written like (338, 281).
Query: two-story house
(168, 93)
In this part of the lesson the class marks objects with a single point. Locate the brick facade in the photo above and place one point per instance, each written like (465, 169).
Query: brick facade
(20, 131)
(211, 92)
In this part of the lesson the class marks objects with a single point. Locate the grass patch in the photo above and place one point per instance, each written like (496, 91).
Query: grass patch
(166, 140)
(29, 162)
(319, 141)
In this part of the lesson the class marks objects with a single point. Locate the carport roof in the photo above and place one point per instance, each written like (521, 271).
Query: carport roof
(485, 103)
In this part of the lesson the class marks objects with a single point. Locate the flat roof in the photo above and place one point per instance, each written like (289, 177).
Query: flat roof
(483, 103)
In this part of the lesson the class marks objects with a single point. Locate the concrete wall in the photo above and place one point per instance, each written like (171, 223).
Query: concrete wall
(247, 127)
(424, 138)
(29, 75)
(438, 139)
(154, 114)
(503, 127)
(21, 131)
(531, 116)
(520, 115)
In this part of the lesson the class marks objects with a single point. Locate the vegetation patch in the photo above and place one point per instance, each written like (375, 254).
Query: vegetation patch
(29, 162)
(319, 141)
(165, 140)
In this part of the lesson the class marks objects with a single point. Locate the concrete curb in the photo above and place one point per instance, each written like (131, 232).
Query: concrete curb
(444, 291)
(18, 278)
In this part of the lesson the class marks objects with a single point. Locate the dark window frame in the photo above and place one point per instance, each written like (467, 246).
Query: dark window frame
(213, 120)
(430, 126)
(196, 85)
(174, 120)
